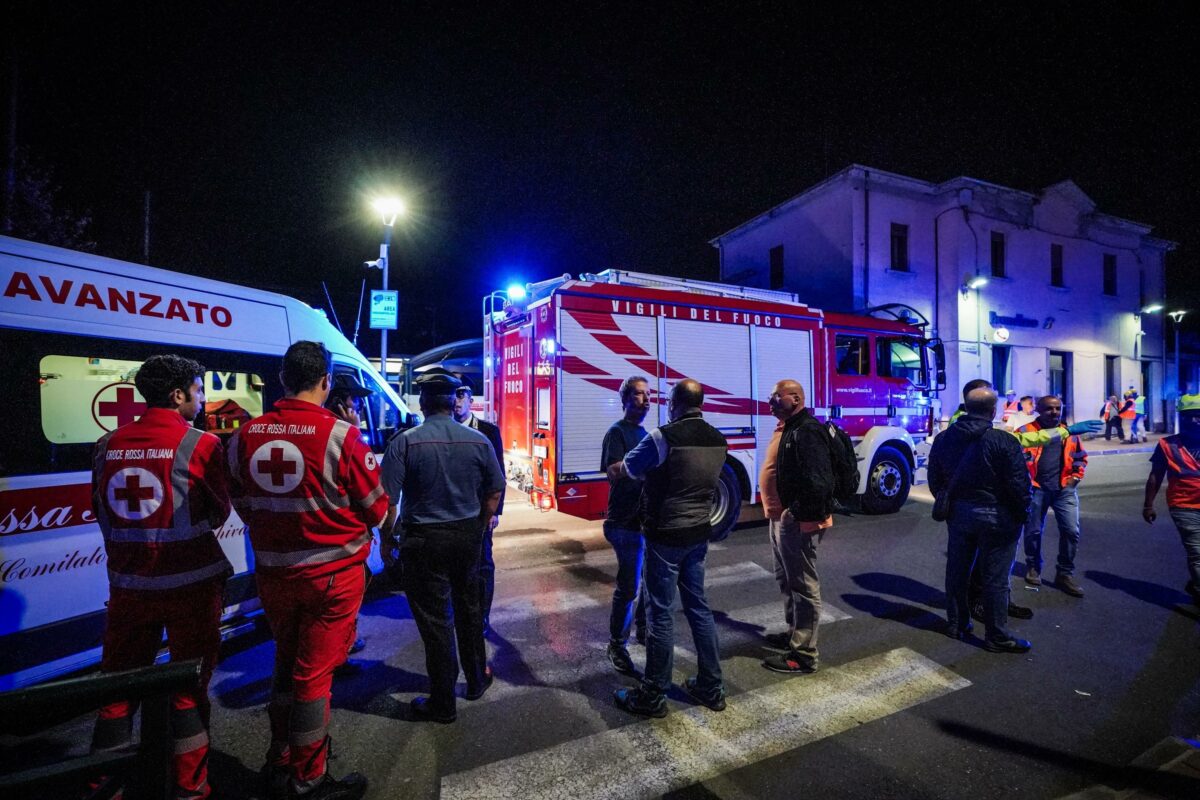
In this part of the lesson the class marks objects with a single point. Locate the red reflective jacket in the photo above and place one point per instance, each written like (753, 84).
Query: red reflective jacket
(1074, 456)
(308, 487)
(1183, 473)
(159, 490)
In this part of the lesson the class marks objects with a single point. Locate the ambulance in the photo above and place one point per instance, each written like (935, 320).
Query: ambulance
(74, 328)
(555, 354)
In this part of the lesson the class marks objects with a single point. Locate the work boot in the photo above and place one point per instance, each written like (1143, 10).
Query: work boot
(1033, 576)
(1068, 585)
(351, 787)
(639, 701)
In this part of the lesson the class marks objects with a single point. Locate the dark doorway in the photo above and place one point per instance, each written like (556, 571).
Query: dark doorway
(1001, 368)
(1060, 378)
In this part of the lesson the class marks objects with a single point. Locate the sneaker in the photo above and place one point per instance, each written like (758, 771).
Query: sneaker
(618, 656)
(791, 663)
(716, 703)
(1033, 576)
(639, 701)
(274, 781)
(1068, 585)
(350, 787)
(488, 680)
(1019, 612)
(357, 647)
(779, 641)
(1013, 645)
(424, 711)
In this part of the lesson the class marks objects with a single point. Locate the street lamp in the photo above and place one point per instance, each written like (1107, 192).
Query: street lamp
(1176, 318)
(388, 209)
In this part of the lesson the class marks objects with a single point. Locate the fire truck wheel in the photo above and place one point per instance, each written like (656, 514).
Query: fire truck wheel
(727, 505)
(888, 482)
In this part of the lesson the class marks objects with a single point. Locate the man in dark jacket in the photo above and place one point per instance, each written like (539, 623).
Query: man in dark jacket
(796, 484)
(681, 463)
(989, 505)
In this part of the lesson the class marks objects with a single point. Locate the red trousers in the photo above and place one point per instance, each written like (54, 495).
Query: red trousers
(312, 620)
(132, 638)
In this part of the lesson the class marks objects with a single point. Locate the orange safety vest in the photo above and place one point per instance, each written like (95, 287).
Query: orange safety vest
(1074, 457)
(1127, 409)
(1011, 408)
(1183, 473)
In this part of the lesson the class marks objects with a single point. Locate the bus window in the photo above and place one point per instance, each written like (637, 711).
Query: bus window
(899, 358)
(853, 357)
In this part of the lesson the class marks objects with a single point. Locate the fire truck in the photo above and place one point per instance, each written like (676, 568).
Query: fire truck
(556, 352)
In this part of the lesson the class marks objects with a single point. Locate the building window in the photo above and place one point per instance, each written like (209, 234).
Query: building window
(1056, 268)
(853, 357)
(777, 267)
(998, 270)
(899, 247)
(1110, 274)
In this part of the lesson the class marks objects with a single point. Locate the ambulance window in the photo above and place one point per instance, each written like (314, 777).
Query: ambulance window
(84, 397)
(898, 358)
(851, 354)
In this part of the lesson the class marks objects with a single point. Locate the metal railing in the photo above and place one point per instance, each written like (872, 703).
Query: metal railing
(144, 769)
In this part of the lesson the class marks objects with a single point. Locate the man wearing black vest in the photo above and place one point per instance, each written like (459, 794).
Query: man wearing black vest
(681, 464)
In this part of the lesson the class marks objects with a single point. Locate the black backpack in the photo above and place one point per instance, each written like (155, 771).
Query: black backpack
(845, 464)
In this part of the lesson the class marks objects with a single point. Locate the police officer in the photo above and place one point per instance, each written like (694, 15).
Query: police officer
(159, 490)
(449, 483)
(463, 398)
(308, 487)
(1177, 458)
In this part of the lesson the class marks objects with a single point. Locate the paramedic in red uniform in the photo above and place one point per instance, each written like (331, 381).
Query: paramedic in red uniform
(159, 490)
(308, 488)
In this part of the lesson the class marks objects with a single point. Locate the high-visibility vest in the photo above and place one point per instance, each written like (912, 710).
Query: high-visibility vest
(1183, 473)
(1139, 404)
(159, 490)
(1011, 408)
(308, 488)
(1127, 411)
(1074, 458)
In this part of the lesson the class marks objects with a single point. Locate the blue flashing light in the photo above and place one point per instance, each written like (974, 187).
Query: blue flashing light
(487, 361)
(516, 293)
(551, 346)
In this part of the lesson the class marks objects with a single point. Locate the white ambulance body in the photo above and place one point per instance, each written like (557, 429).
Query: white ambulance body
(555, 359)
(74, 328)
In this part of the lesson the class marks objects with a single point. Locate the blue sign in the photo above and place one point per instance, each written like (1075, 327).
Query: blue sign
(385, 306)
(1019, 321)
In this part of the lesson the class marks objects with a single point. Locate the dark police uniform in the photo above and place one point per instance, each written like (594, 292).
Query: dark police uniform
(487, 565)
(442, 471)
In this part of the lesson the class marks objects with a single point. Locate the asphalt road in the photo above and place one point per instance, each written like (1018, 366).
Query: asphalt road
(896, 711)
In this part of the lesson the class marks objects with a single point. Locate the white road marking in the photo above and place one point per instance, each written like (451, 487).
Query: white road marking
(694, 745)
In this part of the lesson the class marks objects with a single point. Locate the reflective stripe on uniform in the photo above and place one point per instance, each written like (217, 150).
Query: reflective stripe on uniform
(187, 729)
(158, 535)
(370, 499)
(305, 558)
(308, 722)
(160, 582)
(292, 505)
(333, 455)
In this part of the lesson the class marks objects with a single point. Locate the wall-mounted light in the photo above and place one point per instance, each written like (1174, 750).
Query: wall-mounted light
(1152, 308)
(973, 282)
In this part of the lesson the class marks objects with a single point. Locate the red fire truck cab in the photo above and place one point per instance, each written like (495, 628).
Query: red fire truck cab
(555, 358)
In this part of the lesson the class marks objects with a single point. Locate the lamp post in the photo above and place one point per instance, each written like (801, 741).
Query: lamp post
(388, 208)
(1176, 318)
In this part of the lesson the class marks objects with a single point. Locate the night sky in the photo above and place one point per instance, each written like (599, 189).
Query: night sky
(533, 143)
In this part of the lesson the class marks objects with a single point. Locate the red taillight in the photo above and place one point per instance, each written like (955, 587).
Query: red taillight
(546, 501)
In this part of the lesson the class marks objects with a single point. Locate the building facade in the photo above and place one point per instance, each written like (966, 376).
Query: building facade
(1041, 293)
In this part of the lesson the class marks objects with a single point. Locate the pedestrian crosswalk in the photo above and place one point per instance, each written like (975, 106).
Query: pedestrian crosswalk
(648, 758)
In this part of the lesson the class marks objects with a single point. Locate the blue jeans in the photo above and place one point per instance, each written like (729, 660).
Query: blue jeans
(1187, 520)
(666, 568)
(1133, 427)
(990, 534)
(630, 548)
(1065, 503)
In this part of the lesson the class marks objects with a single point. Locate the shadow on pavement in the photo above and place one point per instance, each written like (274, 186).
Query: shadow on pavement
(231, 778)
(1153, 593)
(881, 608)
(1166, 784)
(901, 586)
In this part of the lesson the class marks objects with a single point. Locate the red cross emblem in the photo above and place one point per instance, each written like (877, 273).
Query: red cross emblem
(277, 466)
(134, 493)
(117, 404)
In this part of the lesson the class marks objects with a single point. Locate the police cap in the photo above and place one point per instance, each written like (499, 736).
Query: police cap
(437, 381)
